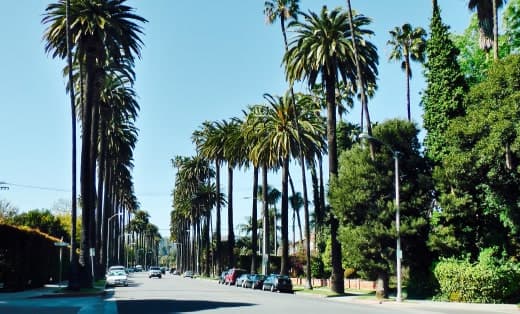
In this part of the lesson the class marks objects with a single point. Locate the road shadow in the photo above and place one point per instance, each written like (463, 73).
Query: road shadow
(172, 306)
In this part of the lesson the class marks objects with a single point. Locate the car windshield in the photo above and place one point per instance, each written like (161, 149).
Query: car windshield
(117, 273)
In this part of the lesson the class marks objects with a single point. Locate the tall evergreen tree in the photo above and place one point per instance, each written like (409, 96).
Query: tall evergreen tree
(445, 86)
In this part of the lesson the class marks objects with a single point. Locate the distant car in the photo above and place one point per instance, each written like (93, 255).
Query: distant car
(241, 279)
(117, 278)
(222, 277)
(117, 267)
(188, 274)
(276, 282)
(232, 275)
(154, 271)
(254, 282)
(138, 268)
(163, 270)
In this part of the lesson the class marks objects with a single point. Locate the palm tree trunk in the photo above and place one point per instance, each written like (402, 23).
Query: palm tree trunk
(86, 178)
(284, 269)
(337, 283)
(254, 221)
(231, 233)
(265, 210)
(360, 81)
(74, 283)
(218, 249)
(407, 71)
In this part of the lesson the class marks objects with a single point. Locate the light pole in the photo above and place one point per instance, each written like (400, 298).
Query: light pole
(61, 245)
(108, 234)
(399, 253)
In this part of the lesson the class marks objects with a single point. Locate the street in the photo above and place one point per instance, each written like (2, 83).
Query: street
(175, 294)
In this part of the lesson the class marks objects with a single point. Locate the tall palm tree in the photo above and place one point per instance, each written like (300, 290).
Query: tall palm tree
(288, 9)
(321, 47)
(210, 144)
(487, 14)
(235, 155)
(101, 30)
(408, 44)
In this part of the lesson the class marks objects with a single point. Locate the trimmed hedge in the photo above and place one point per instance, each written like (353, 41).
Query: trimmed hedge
(28, 258)
(490, 280)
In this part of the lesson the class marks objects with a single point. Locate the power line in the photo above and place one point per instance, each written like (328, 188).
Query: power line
(35, 187)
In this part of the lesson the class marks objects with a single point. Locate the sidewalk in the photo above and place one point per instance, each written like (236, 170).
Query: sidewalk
(428, 305)
(47, 291)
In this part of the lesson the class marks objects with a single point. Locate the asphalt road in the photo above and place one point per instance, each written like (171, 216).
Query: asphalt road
(174, 294)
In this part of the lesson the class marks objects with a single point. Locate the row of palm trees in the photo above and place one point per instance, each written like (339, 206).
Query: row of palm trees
(329, 49)
(100, 40)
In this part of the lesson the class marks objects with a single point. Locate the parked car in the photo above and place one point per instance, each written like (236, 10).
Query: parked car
(154, 271)
(163, 270)
(232, 275)
(222, 277)
(276, 282)
(254, 281)
(188, 274)
(116, 278)
(138, 268)
(241, 279)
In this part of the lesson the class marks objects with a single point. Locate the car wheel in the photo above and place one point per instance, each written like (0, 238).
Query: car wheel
(160, 276)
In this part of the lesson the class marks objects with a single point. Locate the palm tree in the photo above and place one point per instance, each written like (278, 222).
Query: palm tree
(408, 44)
(487, 14)
(235, 155)
(296, 201)
(102, 30)
(321, 48)
(210, 144)
(287, 9)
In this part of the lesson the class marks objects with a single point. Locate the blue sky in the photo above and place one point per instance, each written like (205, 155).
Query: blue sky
(202, 60)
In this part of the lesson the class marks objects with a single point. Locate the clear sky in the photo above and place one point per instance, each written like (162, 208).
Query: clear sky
(202, 60)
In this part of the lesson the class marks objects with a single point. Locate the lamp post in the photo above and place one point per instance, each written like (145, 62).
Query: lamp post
(61, 245)
(399, 253)
(108, 234)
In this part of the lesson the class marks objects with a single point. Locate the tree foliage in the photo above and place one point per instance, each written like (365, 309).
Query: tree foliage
(363, 199)
(44, 221)
(446, 87)
(479, 207)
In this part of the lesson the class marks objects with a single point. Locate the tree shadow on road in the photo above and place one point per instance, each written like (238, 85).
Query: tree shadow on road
(172, 306)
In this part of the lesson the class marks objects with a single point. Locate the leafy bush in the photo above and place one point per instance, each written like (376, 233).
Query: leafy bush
(492, 279)
(349, 272)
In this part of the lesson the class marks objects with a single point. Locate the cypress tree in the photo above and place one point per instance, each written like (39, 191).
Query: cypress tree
(446, 87)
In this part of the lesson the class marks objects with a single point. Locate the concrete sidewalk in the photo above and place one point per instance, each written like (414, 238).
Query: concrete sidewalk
(427, 305)
(47, 291)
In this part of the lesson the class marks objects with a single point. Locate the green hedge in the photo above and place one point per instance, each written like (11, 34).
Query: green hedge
(490, 280)
(28, 258)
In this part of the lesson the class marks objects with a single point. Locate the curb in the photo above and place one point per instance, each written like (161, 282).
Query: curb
(69, 295)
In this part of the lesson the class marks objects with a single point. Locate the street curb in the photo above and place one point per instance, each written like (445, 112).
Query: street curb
(69, 295)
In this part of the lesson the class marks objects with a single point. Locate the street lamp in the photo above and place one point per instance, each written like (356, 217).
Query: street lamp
(399, 253)
(108, 233)
(61, 245)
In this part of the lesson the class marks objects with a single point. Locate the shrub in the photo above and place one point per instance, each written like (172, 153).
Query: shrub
(349, 272)
(491, 280)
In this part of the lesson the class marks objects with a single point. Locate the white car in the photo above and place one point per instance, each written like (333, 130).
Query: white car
(117, 278)
(117, 267)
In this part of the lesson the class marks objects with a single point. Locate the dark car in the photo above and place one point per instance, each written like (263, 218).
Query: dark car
(280, 283)
(222, 277)
(254, 281)
(242, 279)
(232, 275)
